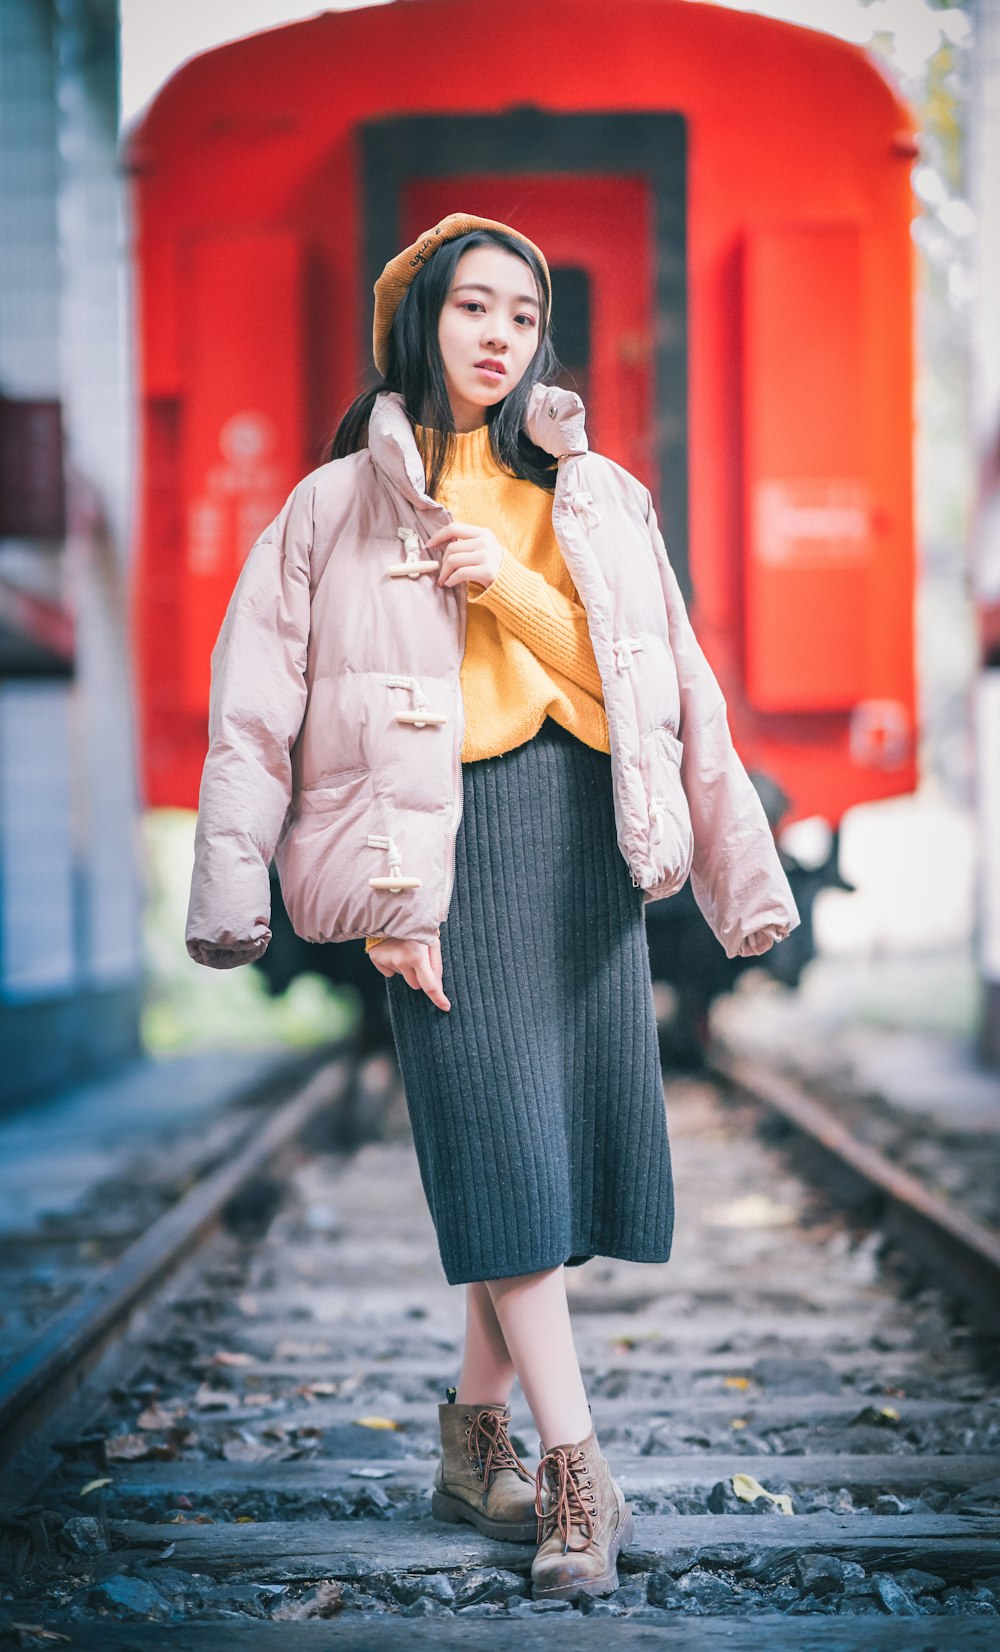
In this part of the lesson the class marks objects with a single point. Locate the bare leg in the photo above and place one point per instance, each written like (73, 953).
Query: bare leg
(487, 1368)
(533, 1314)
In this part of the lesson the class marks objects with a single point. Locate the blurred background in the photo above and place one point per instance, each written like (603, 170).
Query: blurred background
(789, 330)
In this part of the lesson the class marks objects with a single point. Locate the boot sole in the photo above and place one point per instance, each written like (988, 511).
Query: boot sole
(592, 1585)
(456, 1513)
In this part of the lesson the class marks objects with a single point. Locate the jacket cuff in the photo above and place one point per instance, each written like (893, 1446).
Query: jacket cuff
(228, 954)
(762, 940)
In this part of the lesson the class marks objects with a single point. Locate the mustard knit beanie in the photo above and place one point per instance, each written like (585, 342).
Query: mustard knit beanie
(400, 271)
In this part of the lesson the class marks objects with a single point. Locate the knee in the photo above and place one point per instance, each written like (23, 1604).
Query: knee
(499, 1288)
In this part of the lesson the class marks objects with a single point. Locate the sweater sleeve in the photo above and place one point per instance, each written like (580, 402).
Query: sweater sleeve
(373, 940)
(551, 624)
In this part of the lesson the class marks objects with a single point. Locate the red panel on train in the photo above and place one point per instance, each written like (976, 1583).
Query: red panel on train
(809, 527)
(243, 435)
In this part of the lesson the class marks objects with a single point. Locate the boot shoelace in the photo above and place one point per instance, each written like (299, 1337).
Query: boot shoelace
(491, 1427)
(571, 1494)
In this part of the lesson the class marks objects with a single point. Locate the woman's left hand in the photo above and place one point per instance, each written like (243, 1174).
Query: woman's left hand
(473, 554)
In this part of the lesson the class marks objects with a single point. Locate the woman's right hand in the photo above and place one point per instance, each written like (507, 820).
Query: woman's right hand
(417, 963)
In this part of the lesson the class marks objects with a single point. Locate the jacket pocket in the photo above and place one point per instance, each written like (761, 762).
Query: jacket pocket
(671, 835)
(323, 859)
(333, 786)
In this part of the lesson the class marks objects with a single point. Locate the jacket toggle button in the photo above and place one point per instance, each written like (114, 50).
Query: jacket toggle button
(657, 809)
(582, 505)
(396, 879)
(419, 716)
(625, 647)
(412, 565)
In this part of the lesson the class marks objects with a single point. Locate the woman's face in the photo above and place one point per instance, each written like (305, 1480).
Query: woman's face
(488, 331)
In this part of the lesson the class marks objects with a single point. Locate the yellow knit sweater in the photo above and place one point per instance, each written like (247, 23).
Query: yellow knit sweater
(528, 653)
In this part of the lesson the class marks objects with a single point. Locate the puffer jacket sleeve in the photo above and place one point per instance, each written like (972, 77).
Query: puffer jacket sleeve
(256, 705)
(736, 875)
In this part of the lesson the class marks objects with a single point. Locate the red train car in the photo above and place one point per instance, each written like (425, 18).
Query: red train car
(726, 204)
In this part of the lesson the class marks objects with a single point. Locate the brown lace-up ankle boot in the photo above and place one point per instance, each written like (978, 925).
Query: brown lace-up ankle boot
(582, 1527)
(479, 1476)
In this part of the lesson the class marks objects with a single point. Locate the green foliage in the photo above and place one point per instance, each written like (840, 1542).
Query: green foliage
(189, 1007)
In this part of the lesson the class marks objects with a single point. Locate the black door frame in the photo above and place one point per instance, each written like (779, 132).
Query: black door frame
(652, 145)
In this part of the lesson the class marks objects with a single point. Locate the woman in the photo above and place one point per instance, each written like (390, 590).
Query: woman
(457, 736)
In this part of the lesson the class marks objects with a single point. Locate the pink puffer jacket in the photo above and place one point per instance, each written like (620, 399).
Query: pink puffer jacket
(336, 719)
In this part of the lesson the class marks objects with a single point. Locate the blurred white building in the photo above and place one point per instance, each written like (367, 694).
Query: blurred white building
(69, 866)
(985, 170)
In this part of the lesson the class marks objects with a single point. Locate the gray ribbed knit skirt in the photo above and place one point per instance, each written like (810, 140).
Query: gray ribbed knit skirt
(536, 1102)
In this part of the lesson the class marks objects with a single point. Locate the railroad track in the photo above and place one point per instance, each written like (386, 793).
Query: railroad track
(101, 1262)
(809, 1438)
(933, 1230)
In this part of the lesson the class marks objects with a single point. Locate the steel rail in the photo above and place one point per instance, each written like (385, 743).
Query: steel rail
(963, 1253)
(53, 1366)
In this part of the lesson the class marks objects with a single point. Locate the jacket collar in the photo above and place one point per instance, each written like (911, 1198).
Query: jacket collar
(555, 422)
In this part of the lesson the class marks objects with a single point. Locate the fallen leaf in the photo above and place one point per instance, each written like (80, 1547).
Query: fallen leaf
(156, 1418)
(736, 1382)
(747, 1488)
(326, 1603)
(371, 1473)
(376, 1422)
(95, 1485)
(301, 1350)
(738, 1422)
(239, 1448)
(127, 1448)
(880, 1415)
(208, 1398)
(223, 1356)
(40, 1633)
(168, 1551)
(245, 1520)
(164, 1451)
(317, 1390)
(751, 1210)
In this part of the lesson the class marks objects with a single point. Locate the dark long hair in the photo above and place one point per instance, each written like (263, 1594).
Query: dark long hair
(416, 371)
